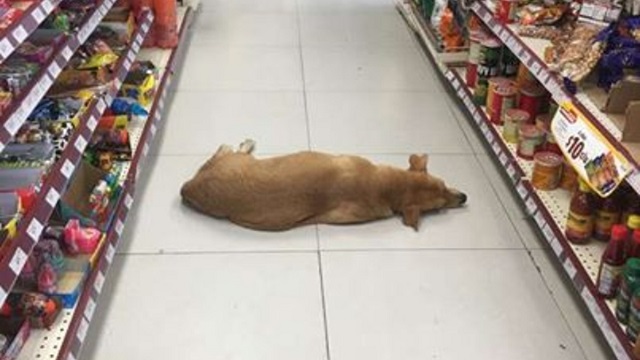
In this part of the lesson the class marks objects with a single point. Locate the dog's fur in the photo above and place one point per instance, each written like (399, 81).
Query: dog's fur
(283, 192)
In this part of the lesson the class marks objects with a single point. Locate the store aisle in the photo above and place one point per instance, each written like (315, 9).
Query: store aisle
(339, 76)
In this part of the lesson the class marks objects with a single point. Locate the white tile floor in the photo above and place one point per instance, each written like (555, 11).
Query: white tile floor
(341, 76)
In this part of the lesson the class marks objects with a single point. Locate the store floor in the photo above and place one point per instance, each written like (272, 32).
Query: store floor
(339, 76)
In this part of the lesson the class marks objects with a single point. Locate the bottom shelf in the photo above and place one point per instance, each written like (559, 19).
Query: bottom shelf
(549, 210)
(64, 340)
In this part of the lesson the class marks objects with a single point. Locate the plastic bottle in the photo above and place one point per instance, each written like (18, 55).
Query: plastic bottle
(612, 262)
(633, 250)
(634, 316)
(629, 282)
(633, 223)
(166, 23)
(632, 204)
(580, 219)
(607, 215)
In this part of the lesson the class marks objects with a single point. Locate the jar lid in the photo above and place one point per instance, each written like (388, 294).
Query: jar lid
(517, 115)
(633, 222)
(548, 158)
(529, 131)
(619, 231)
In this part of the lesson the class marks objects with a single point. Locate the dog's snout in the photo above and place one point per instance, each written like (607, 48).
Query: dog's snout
(462, 197)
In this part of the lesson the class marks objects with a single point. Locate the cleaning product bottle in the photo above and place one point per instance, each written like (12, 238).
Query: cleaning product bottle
(607, 214)
(166, 23)
(629, 282)
(580, 222)
(612, 262)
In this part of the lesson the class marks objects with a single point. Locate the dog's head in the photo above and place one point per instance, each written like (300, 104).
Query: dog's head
(427, 193)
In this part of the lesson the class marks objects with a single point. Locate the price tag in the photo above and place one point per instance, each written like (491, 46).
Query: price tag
(66, 53)
(126, 63)
(136, 47)
(588, 151)
(569, 268)
(52, 197)
(496, 148)
(67, 168)
(587, 9)
(38, 15)
(128, 201)
(92, 123)
(511, 171)
(18, 260)
(119, 227)
(54, 69)
(5, 48)
(90, 309)
(489, 136)
(477, 117)
(522, 190)
(145, 149)
(539, 218)
(97, 285)
(503, 159)
(14, 122)
(524, 55)
(531, 205)
(547, 231)
(20, 34)
(556, 246)
(82, 330)
(35, 229)
(535, 67)
(80, 144)
(449, 74)
(110, 253)
(153, 130)
(47, 6)
(131, 56)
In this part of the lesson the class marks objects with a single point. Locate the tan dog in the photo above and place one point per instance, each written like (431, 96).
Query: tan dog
(283, 192)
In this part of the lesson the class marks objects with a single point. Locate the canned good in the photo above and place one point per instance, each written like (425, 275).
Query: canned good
(530, 100)
(480, 91)
(513, 118)
(530, 140)
(475, 37)
(547, 170)
(506, 11)
(489, 57)
(500, 97)
(509, 63)
(524, 78)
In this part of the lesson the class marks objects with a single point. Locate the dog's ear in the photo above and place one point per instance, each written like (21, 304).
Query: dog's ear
(411, 216)
(418, 162)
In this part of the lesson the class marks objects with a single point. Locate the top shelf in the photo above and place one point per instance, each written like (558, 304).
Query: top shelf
(34, 13)
(589, 98)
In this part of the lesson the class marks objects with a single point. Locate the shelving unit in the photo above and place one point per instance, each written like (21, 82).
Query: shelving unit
(548, 209)
(65, 338)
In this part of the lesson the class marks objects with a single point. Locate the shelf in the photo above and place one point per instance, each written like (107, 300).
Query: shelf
(416, 22)
(65, 338)
(589, 100)
(34, 13)
(32, 224)
(16, 114)
(549, 211)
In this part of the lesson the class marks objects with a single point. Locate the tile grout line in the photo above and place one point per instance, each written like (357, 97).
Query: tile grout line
(323, 301)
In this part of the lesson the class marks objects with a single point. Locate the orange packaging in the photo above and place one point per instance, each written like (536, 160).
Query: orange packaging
(166, 23)
(547, 170)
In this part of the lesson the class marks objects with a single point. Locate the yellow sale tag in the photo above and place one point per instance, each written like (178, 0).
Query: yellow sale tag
(595, 160)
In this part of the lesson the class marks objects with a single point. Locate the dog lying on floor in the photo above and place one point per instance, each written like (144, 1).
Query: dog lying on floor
(283, 192)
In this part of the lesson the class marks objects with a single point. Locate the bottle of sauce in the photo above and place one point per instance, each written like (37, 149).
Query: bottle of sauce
(633, 250)
(607, 214)
(631, 204)
(580, 219)
(633, 223)
(612, 262)
(629, 282)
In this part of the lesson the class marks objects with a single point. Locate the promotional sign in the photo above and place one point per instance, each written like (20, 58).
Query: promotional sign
(591, 155)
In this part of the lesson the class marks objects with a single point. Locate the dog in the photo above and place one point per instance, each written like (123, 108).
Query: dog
(284, 192)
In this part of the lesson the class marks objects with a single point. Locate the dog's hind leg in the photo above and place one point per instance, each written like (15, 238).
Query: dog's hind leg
(247, 146)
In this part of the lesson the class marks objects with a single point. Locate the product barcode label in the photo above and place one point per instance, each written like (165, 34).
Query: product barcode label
(128, 201)
(539, 218)
(82, 330)
(503, 159)
(92, 123)
(556, 246)
(522, 190)
(119, 227)
(67, 168)
(5, 48)
(80, 144)
(569, 268)
(52, 197)
(145, 27)
(18, 260)
(97, 285)
(38, 15)
(54, 69)
(35, 229)
(47, 6)
(20, 34)
(111, 251)
(547, 231)
(90, 309)
(531, 205)
(66, 53)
